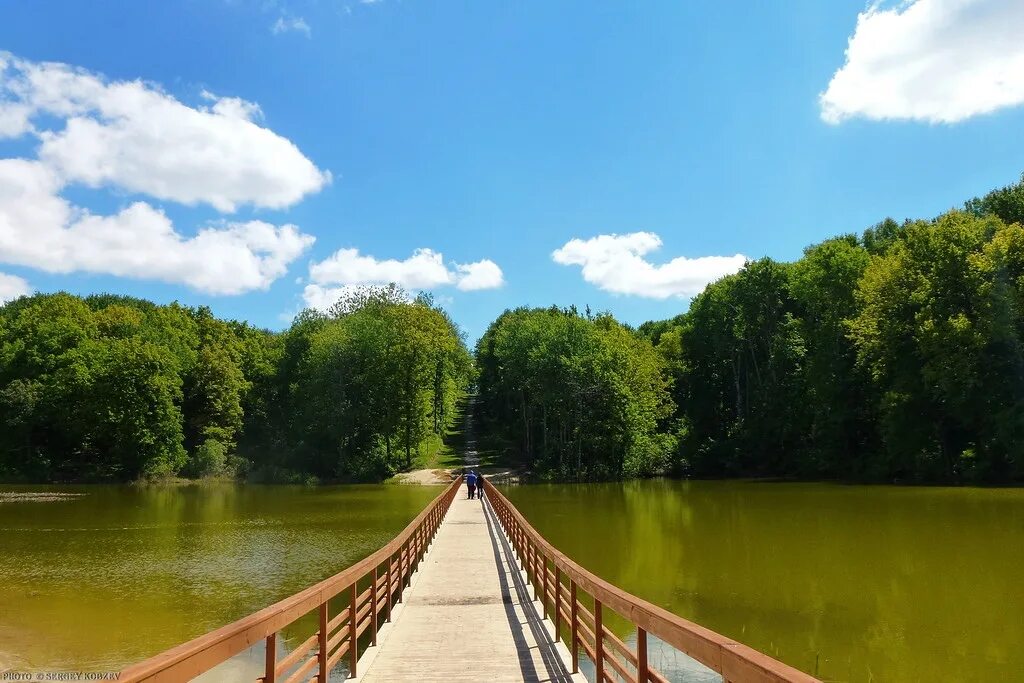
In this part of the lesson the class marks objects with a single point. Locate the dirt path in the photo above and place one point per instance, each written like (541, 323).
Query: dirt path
(424, 477)
(470, 458)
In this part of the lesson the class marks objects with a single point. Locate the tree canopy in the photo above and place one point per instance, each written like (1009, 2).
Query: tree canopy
(894, 355)
(114, 388)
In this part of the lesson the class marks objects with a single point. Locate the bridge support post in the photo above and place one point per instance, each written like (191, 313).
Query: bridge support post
(598, 640)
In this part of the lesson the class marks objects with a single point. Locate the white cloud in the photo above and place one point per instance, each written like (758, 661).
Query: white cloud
(940, 61)
(425, 269)
(615, 264)
(40, 229)
(285, 24)
(133, 136)
(14, 119)
(480, 275)
(12, 286)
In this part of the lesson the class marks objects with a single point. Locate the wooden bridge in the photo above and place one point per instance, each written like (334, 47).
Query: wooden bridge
(468, 591)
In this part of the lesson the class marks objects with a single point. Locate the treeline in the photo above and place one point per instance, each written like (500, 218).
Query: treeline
(579, 396)
(115, 388)
(895, 355)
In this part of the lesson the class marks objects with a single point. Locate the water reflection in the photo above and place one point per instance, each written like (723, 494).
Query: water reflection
(98, 581)
(854, 583)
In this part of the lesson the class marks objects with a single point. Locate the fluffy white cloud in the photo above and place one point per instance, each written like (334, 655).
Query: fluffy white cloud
(479, 275)
(425, 269)
(133, 136)
(930, 60)
(40, 229)
(14, 119)
(12, 286)
(615, 263)
(285, 24)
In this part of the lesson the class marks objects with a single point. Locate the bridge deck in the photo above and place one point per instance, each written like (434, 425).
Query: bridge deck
(469, 614)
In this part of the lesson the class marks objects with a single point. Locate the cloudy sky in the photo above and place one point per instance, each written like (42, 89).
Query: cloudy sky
(261, 156)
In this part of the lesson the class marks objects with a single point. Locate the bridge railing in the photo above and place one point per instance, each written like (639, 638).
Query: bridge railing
(383, 577)
(562, 586)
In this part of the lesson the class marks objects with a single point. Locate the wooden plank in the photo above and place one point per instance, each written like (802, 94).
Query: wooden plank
(464, 618)
(296, 654)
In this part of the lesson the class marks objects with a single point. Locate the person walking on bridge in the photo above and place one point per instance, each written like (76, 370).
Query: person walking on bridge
(471, 483)
(480, 486)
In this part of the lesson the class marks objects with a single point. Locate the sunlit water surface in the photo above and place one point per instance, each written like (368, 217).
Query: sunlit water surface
(119, 573)
(854, 583)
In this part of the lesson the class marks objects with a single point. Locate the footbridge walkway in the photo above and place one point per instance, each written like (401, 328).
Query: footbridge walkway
(468, 591)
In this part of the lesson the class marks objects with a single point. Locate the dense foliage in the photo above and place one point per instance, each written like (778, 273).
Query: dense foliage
(898, 355)
(113, 388)
(579, 396)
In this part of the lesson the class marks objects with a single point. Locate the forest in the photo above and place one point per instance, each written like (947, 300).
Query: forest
(109, 388)
(895, 355)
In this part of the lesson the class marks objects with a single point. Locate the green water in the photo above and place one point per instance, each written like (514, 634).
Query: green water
(855, 583)
(121, 573)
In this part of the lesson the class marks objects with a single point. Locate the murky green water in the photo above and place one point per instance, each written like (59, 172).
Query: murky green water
(120, 573)
(861, 583)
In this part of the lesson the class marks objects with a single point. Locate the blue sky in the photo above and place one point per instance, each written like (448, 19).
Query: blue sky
(668, 139)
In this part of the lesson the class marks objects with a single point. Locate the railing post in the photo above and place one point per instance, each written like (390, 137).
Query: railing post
(544, 585)
(574, 625)
(598, 641)
(558, 603)
(391, 559)
(401, 572)
(533, 566)
(321, 654)
(643, 672)
(373, 607)
(270, 670)
(353, 637)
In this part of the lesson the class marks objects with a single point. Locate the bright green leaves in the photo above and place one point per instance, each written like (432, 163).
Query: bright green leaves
(581, 397)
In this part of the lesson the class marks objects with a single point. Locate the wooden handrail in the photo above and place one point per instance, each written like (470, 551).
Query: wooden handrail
(736, 662)
(201, 654)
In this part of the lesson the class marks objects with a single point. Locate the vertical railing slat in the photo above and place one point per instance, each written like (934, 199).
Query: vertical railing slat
(353, 637)
(598, 641)
(575, 626)
(558, 603)
(270, 670)
(322, 644)
(373, 607)
(643, 673)
(391, 559)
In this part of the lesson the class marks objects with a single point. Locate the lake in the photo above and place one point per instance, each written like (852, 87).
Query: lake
(118, 573)
(854, 583)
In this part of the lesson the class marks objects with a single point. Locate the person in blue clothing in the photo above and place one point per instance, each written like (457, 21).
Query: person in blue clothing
(471, 483)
